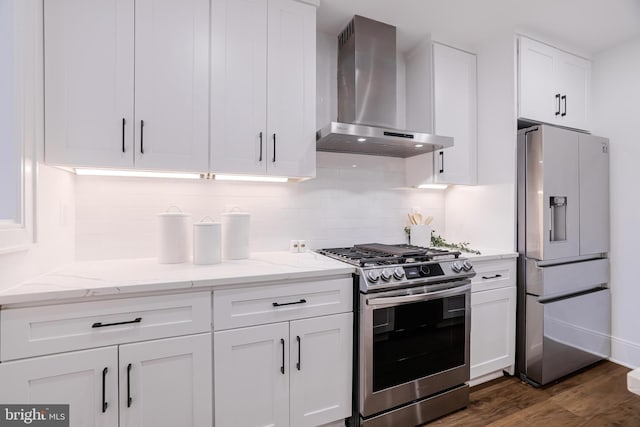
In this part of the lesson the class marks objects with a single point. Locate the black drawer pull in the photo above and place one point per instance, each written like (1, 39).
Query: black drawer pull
(492, 277)
(277, 304)
(282, 366)
(129, 399)
(102, 325)
(105, 404)
(123, 123)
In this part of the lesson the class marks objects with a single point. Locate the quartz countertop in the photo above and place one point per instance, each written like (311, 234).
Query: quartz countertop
(102, 278)
(489, 255)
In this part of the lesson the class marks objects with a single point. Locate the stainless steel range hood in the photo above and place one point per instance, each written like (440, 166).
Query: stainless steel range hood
(367, 98)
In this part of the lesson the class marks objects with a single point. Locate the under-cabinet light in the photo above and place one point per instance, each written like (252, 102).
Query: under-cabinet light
(433, 186)
(139, 174)
(250, 178)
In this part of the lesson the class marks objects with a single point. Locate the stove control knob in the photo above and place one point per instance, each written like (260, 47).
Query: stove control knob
(457, 267)
(373, 275)
(386, 274)
(467, 265)
(424, 270)
(398, 273)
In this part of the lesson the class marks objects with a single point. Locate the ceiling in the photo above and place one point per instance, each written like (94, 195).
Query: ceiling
(585, 26)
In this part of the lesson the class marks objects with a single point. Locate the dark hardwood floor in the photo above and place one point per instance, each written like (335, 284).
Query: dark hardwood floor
(595, 397)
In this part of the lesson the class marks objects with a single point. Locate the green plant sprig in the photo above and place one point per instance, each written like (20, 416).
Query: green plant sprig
(439, 241)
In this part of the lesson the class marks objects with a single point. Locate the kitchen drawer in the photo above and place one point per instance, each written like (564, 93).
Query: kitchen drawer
(493, 274)
(235, 308)
(32, 331)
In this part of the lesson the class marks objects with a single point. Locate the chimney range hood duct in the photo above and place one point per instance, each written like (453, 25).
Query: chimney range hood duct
(367, 98)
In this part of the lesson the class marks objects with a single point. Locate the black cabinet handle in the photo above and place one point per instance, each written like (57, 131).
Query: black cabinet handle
(129, 385)
(260, 159)
(441, 161)
(123, 123)
(492, 277)
(282, 366)
(558, 104)
(564, 99)
(102, 325)
(299, 354)
(141, 136)
(104, 397)
(274, 148)
(278, 304)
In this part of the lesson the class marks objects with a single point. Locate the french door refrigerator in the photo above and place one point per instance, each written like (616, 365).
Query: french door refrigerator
(564, 304)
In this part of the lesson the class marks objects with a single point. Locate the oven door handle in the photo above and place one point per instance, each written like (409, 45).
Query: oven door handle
(428, 296)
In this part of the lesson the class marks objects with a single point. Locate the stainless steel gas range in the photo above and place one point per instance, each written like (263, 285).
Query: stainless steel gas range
(411, 350)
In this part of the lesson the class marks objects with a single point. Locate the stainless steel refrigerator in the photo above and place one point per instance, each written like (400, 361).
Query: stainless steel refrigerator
(564, 304)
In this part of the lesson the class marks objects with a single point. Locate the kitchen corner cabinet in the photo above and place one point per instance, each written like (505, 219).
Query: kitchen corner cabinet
(455, 114)
(263, 55)
(159, 382)
(294, 372)
(493, 311)
(126, 84)
(553, 85)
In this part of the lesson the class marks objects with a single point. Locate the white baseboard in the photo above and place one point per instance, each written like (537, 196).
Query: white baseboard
(625, 353)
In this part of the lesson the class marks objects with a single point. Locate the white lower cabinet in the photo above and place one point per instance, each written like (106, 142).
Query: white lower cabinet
(493, 320)
(129, 362)
(77, 379)
(166, 382)
(295, 373)
(155, 383)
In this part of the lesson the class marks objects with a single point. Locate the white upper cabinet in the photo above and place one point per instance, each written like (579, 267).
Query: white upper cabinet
(239, 86)
(263, 87)
(553, 86)
(90, 70)
(89, 82)
(455, 115)
(291, 104)
(172, 84)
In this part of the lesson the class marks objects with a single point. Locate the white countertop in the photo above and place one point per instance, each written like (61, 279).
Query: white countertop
(489, 255)
(101, 278)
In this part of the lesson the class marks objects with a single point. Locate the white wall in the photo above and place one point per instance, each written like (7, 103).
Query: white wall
(9, 164)
(55, 230)
(616, 110)
(484, 215)
(344, 205)
(54, 200)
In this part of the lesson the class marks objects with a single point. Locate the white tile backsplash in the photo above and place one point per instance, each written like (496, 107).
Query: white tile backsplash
(116, 217)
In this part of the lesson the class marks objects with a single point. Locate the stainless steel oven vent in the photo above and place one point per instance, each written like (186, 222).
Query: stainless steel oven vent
(367, 104)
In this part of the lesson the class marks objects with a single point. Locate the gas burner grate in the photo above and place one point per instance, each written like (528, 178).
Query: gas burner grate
(378, 254)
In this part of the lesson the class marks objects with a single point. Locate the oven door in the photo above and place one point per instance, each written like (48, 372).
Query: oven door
(413, 343)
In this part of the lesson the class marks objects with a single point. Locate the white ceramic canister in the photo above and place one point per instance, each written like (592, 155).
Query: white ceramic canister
(207, 239)
(420, 235)
(235, 235)
(173, 236)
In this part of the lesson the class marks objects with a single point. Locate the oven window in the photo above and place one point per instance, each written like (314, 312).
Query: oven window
(416, 340)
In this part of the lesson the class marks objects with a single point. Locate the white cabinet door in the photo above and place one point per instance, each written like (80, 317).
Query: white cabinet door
(574, 75)
(76, 378)
(291, 117)
(172, 84)
(321, 365)
(492, 330)
(252, 376)
(166, 383)
(553, 86)
(239, 86)
(538, 94)
(88, 62)
(455, 105)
